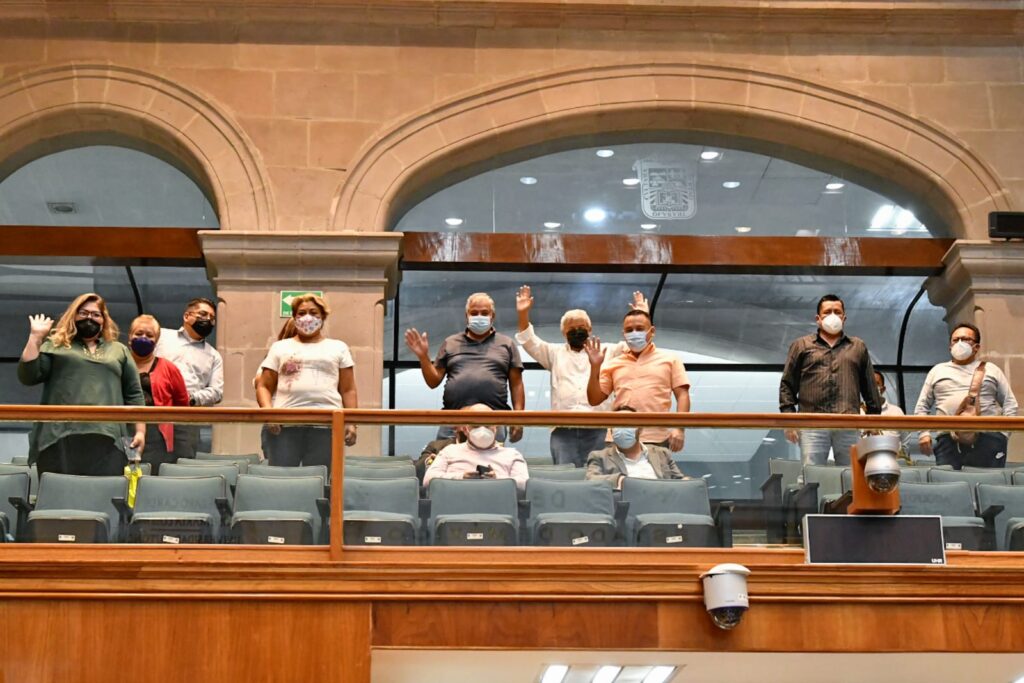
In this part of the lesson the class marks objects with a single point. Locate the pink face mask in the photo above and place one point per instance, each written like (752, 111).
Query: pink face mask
(308, 324)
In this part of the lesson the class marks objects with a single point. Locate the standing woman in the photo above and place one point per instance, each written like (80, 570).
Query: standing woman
(162, 385)
(80, 362)
(307, 370)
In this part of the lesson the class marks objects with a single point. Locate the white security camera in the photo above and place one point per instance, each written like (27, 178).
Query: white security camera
(881, 469)
(725, 594)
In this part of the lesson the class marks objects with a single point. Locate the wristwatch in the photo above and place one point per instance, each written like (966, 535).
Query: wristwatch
(191, 400)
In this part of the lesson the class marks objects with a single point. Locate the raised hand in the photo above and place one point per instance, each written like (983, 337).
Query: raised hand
(639, 302)
(417, 342)
(39, 326)
(594, 351)
(524, 299)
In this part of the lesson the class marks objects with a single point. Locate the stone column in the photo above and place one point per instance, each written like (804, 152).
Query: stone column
(983, 283)
(357, 272)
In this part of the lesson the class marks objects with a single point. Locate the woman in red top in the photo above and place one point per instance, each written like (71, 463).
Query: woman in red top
(162, 385)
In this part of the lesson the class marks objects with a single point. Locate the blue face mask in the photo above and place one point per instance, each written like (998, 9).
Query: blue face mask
(479, 324)
(637, 341)
(624, 437)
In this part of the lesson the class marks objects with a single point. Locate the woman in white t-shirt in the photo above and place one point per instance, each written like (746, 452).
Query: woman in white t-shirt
(308, 370)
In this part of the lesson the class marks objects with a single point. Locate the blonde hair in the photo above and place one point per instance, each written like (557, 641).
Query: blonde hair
(309, 297)
(64, 331)
(145, 318)
(287, 330)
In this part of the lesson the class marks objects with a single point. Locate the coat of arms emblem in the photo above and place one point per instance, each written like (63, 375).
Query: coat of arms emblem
(668, 191)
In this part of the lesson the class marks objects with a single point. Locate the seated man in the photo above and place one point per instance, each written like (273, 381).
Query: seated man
(478, 457)
(628, 456)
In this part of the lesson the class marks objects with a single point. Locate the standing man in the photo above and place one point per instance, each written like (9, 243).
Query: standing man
(200, 365)
(642, 377)
(946, 386)
(482, 365)
(570, 371)
(828, 372)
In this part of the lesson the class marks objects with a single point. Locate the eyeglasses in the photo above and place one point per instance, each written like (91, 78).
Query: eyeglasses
(202, 315)
(82, 315)
(969, 340)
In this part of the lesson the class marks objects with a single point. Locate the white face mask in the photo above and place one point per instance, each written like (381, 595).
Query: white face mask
(961, 350)
(832, 323)
(308, 324)
(481, 438)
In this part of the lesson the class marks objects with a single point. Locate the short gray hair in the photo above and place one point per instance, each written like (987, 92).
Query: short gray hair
(479, 295)
(574, 313)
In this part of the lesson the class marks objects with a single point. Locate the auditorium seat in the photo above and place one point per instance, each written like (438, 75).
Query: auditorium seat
(954, 502)
(77, 509)
(558, 474)
(572, 513)
(180, 510)
(20, 460)
(280, 511)
(532, 460)
(300, 471)
(1007, 472)
(1008, 525)
(242, 462)
(190, 468)
(250, 458)
(381, 459)
(12, 485)
(382, 511)
(549, 467)
(32, 472)
(674, 513)
(469, 512)
(936, 475)
(399, 470)
(783, 477)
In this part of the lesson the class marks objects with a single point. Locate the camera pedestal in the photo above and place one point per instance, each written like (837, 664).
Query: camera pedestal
(865, 500)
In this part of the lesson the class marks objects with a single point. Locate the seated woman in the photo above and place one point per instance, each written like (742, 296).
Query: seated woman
(629, 457)
(79, 362)
(162, 385)
(308, 370)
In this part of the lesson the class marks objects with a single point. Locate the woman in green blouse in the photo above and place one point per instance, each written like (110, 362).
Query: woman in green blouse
(80, 362)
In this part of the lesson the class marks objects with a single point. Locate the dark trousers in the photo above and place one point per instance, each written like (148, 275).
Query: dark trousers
(988, 450)
(573, 444)
(301, 445)
(186, 440)
(90, 454)
(156, 453)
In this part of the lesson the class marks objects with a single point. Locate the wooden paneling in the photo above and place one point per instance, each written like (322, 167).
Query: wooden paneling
(677, 253)
(129, 244)
(151, 641)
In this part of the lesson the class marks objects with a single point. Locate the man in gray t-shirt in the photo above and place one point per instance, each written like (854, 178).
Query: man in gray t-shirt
(481, 365)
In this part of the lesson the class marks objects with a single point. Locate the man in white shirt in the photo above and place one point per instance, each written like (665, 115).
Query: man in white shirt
(478, 457)
(892, 410)
(570, 370)
(200, 365)
(945, 388)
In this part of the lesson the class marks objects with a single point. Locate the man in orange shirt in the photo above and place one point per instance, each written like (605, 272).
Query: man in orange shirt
(643, 378)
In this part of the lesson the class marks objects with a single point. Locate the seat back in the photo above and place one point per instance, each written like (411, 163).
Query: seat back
(593, 496)
(363, 471)
(1012, 500)
(75, 492)
(242, 463)
(652, 496)
(549, 467)
(936, 475)
(31, 471)
(180, 494)
(551, 474)
(1007, 472)
(14, 485)
(20, 460)
(949, 499)
(400, 496)
(190, 469)
(379, 459)
(829, 479)
(532, 460)
(1017, 477)
(250, 458)
(301, 471)
(789, 469)
(288, 494)
(473, 496)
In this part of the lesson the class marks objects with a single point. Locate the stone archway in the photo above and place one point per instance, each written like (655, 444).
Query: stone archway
(918, 158)
(40, 109)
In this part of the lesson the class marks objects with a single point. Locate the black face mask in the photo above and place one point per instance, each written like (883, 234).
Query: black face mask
(203, 328)
(576, 337)
(87, 329)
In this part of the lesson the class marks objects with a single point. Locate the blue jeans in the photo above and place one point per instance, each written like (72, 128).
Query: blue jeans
(573, 445)
(816, 443)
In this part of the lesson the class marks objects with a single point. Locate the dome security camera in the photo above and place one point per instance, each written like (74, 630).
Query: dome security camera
(881, 469)
(725, 594)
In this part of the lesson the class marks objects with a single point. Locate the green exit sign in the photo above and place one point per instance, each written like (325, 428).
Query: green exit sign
(287, 296)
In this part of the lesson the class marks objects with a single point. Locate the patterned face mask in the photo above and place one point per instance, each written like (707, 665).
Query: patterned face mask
(308, 325)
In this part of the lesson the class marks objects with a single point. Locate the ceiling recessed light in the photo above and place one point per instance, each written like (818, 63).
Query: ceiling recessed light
(62, 207)
(606, 674)
(454, 222)
(648, 226)
(833, 187)
(742, 228)
(552, 225)
(528, 180)
(731, 184)
(605, 153)
(554, 673)
(595, 214)
(710, 155)
(630, 182)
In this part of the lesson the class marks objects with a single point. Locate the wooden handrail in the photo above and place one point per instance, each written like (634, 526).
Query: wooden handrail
(530, 418)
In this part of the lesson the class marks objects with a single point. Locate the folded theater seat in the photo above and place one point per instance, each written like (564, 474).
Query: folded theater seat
(468, 512)
(280, 510)
(75, 509)
(573, 513)
(954, 503)
(674, 513)
(180, 510)
(382, 511)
